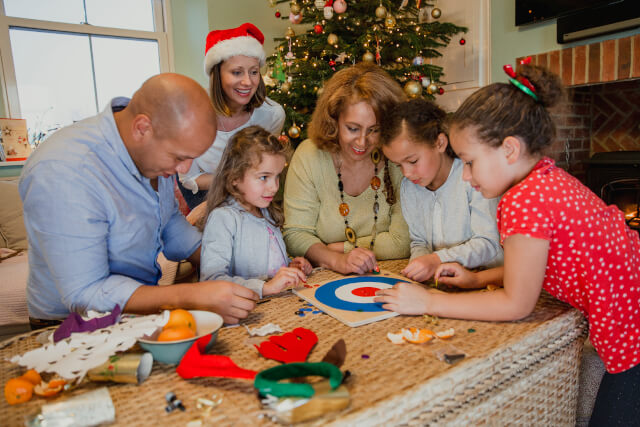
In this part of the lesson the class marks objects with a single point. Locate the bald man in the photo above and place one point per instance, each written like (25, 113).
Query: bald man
(99, 207)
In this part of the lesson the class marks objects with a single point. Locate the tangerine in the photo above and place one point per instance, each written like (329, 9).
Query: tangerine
(18, 390)
(181, 317)
(32, 376)
(175, 334)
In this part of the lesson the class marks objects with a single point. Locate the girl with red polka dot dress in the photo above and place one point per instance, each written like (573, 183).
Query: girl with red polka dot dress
(557, 235)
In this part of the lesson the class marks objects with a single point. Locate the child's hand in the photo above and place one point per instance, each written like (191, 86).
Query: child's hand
(404, 298)
(452, 273)
(284, 278)
(359, 261)
(422, 268)
(301, 264)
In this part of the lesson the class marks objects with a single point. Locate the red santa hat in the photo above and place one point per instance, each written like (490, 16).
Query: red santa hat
(245, 40)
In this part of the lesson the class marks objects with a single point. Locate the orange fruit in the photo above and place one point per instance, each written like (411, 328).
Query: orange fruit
(180, 317)
(17, 390)
(32, 376)
(175, 334)
(49, 389)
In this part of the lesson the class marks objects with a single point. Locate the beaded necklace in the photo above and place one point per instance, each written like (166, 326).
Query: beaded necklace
(349, 232)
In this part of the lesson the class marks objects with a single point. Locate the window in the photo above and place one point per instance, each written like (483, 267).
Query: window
(64, 60)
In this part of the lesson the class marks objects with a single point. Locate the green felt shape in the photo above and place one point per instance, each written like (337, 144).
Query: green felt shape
(267, 381)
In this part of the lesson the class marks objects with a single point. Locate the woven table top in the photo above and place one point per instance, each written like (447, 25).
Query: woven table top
(390, 386)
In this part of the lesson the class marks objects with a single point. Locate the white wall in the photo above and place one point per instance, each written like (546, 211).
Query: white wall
(509, 42)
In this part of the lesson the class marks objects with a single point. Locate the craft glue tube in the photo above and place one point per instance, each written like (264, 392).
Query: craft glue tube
(132, 368)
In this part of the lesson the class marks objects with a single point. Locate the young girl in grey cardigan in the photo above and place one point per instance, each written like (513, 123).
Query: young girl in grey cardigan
(241, 239)
(449, 221)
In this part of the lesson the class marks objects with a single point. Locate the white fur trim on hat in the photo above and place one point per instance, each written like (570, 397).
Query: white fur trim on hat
(225, 49)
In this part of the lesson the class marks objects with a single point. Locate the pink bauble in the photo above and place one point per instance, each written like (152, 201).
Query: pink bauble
(340, 6)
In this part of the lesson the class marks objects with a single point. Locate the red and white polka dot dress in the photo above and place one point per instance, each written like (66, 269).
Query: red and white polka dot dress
(594, 258)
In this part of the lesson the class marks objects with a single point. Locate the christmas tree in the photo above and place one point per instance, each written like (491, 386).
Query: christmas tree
(340, 33)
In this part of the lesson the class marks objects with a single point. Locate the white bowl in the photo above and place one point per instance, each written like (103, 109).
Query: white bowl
(171, 352)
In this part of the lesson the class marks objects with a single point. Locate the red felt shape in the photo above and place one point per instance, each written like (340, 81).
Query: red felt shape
(289, 347)
(197, 364)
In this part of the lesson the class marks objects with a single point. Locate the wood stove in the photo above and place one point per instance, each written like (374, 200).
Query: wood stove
(615, 177)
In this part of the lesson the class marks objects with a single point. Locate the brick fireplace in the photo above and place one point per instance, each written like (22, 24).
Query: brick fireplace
(599, 130)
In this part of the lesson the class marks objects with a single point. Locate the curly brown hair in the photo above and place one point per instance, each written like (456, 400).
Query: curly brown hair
(361, 82)
(502, 109)
(349, 86)
(219, 99)
(245, 150)
(421, 120)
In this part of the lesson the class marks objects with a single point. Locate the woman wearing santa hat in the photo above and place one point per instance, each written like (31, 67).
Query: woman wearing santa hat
(232, 61)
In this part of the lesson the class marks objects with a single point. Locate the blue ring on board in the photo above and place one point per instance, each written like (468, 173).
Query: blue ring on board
(326, 293)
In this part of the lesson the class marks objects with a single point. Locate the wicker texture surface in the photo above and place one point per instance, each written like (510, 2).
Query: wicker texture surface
(522, 373)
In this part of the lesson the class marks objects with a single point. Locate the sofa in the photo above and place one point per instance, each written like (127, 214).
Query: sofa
(14, 266)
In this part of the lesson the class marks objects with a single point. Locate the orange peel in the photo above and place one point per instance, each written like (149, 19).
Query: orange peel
(446, 334)
(396, 338)
(49, 389)
(417, 336)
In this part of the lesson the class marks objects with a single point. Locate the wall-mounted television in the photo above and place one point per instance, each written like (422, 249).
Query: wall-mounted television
(581, 19)
(532, 11)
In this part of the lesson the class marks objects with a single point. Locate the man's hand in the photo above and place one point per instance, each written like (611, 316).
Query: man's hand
(230, 300)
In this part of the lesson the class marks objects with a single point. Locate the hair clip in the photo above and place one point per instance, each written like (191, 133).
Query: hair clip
(519, 81)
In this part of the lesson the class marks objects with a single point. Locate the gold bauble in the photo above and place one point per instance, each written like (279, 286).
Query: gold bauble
(286, 87)
(436, 13)
(412, 89)
(368, 57)
(381, 12)
(432, 88)
(295, 8)
(290, 33)
(332, 39)
(390, 21)
(294, 131)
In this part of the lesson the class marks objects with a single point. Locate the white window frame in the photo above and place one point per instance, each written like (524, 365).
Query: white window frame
(162, 35)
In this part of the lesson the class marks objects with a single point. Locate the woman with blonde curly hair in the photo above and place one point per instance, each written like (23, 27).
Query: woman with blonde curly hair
(340, 204)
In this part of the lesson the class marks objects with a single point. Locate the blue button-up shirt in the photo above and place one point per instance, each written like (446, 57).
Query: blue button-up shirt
(95, 225)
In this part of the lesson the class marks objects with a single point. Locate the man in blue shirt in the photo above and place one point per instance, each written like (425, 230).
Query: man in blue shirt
(99, 207)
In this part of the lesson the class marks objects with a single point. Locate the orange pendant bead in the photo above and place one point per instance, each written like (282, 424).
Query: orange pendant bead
(375, 182)
(344, 209)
